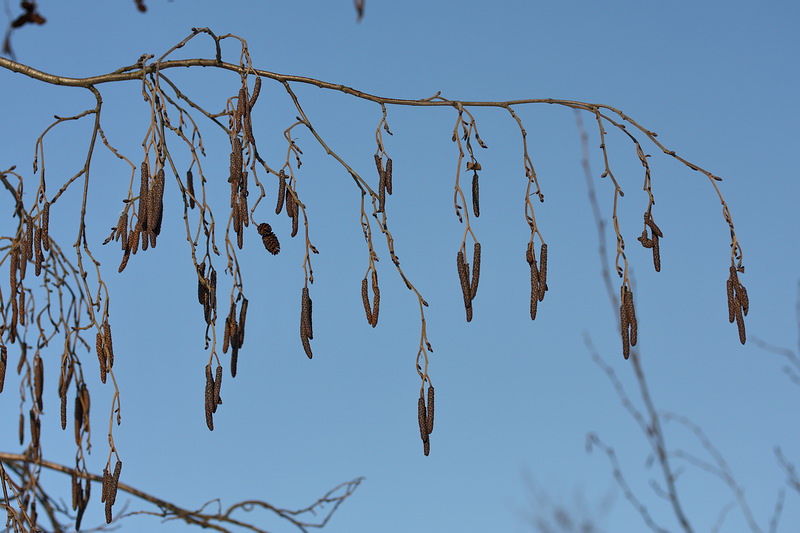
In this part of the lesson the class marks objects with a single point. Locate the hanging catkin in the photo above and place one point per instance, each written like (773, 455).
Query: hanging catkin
(464, 278)
(190, 188)
(476, 269)
(306, 330)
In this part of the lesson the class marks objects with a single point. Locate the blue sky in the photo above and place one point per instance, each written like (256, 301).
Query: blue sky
(515, 398)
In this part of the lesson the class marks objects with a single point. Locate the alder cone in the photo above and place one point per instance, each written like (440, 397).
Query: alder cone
(269, 239)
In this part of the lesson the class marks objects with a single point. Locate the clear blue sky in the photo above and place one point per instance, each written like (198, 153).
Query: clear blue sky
(515, 399)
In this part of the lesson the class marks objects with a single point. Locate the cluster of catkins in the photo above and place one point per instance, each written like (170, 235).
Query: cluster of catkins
(469, 284)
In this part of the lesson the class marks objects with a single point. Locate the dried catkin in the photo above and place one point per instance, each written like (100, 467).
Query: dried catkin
(476, 269)
(429, 418)
(29, 234)
(3, 364)
(422, 418)
(365, 299)
(463, 276)
(38, 247)
(542, 271)
(217, 387)
(38, 381)
(106, 485)
(381, 183)
(133, 242)
(656, 255)
(62, 394)
(101, 356)
(388, 174)
(295, 223)
(242, 319)
(46, 226)
(376, 299)
(535, 281)
(108, 344)
(281, 192)
(22, 307)
(306, 331)
(476, 204)
(256, 92)
(76, 490)
(190, 188)
(738, 302)
(631, 311)
(291, 207)
(307, 313)
(21, 429)
(111, 489)
(157, 203)
(209, 399)
(144, 193)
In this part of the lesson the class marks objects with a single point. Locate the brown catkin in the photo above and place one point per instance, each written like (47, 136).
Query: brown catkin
(542, 271)
(631, 311)
(38, 381)
(365, 299)
(741, 296)
(535, 287)
(101, 356)
(256, 92)
(426, 447)
(106, 485)
(21, 429)
(125, 257)
(62, 394)
(388, 173)
(190, 188)
(115, 481)
(740, 325)
(306, 331)
(463, 276)
(35, 429)
(307, 313)
(476, 269)
(217, 386)
(76, 490)
(234, 362)
(429, 418)
(133, 241)
(476, 204)
(37, 244)
(281, 192)
(144, 194)
(107, 342)
(295, 223)
(376, 299)
(22, 307)
(381, 183)
(30, 231)
(46, 226)
(242, 320)
(656, 254)
(235, 177)
(291, 207)
(731, 301)
(209, 399)
(422, 418)
(157, 203)
(3, 364)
